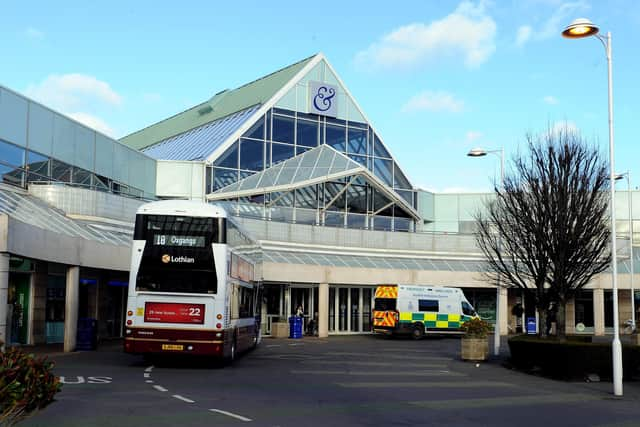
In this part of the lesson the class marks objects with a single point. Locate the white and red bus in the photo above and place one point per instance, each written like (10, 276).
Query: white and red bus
(190, 292)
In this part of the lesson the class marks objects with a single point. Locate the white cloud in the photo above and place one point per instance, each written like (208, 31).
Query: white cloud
(523, 35)
(435, 102)
(561, 17)
(551, 100)
(93, 122)
(553, 26)
(33, 33)
(78, 96)
(468, 32)
(472, 135)
(70, 92)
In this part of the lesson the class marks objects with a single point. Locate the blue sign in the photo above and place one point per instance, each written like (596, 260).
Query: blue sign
(531, 326)
(323, 99)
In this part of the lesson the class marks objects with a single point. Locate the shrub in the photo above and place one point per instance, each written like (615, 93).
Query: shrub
(571, 359)
(476, 328)
(26, 385)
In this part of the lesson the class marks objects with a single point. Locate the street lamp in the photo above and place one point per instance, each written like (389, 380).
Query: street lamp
(619, 176)
(581, 28)
(479, 152)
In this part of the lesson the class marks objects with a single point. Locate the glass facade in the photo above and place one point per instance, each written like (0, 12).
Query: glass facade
(282, 134)
(20, 167)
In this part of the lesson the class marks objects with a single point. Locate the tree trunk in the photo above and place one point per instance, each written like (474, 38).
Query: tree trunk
(561, 329)
(542, 326)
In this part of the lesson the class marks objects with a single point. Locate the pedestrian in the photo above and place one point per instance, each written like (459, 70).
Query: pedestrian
(551, 318)
(300, 311)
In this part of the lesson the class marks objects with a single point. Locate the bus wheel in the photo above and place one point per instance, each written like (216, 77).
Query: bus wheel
(417, 332)
(228, 360)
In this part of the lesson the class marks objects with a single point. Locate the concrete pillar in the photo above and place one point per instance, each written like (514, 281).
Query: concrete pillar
(4, 297)
(71, 308)
(323, 310)
(504, 312)
(598, 311)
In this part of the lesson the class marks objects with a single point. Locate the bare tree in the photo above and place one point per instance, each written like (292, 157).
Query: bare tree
(547, 230)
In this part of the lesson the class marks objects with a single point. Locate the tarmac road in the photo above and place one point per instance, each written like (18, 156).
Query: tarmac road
(340, 381)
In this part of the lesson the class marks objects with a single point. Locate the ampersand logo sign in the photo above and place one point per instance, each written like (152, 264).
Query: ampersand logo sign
(323, 99)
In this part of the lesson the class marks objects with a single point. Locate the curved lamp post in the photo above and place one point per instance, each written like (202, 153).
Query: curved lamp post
(479, 152)
(581, 28)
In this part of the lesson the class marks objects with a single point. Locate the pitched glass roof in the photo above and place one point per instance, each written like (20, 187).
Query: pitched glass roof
(199, 143)
(220, 105)
(318, 165)
(33, 211)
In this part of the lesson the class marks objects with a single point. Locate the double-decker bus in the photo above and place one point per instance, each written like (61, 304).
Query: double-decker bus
(189, 291)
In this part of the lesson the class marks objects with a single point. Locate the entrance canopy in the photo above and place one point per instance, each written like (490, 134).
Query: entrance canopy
(316, 166)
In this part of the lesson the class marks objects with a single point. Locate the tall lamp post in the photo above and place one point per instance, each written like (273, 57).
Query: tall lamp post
(581, 28)
(619, 176)
(479, 152)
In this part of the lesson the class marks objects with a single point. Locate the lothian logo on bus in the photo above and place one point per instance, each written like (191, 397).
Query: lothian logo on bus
(166, 259)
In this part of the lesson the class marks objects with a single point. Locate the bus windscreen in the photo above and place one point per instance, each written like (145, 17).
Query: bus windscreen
(178, 256)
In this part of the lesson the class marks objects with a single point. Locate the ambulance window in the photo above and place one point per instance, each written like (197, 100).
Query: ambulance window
(428, 305)
(385, 304)
(467, 309)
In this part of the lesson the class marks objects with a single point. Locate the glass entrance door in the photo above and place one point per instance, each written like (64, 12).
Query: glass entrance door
(350, 309)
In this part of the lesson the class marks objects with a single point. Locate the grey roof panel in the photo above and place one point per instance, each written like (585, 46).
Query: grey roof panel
(201, 142)
(30, 210)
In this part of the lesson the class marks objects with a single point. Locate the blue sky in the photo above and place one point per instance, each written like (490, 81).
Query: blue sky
(435, 78)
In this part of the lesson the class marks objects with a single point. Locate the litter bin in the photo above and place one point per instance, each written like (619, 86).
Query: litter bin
(87, 337)
(295, 327)
(531, 326)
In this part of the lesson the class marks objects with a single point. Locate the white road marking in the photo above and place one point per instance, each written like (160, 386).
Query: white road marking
(229, 414)
(295, 344)
(425, 384)
(149, 381)
(160, 388)
(184, 399)
(273, 345)
(147, 375)
(356, 363)
(426, 373)
(149, 369)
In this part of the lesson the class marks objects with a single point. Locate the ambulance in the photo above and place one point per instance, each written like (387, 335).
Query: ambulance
(420, 310)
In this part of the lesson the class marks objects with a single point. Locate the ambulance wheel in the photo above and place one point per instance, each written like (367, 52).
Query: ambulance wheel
(417, 332)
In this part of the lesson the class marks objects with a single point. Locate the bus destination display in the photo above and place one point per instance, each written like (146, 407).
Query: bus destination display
(183, 241)
(167, 312)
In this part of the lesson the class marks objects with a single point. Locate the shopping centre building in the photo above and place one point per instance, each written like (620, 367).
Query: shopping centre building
(297, 165)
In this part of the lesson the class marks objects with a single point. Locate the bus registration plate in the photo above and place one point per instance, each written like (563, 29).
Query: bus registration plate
(177, 347)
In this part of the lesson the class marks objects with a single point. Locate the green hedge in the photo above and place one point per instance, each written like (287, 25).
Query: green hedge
(571, 359)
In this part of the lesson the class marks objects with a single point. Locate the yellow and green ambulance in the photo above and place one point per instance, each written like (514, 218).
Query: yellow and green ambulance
(420, 310)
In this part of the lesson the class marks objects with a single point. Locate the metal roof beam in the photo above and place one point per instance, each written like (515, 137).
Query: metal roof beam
(332, 201)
